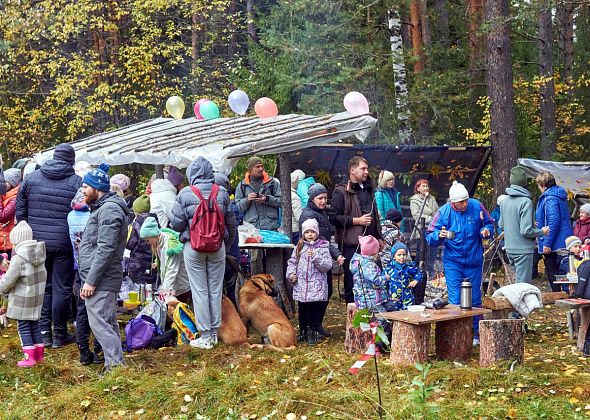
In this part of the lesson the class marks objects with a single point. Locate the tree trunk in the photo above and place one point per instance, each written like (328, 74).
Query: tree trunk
(501, 93)
(417, 50)
(500, 340)
(475, 10)
(425, 25)
(285, 178)
(442, 23)
(547, 86)
(565, 36)
(195, 44)
(250, 16)
(409, 343)
(454, 339)
(356, 340)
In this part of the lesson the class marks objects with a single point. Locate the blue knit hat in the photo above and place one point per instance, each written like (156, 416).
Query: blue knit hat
(149, 228)
(397, 246)
(98, 178)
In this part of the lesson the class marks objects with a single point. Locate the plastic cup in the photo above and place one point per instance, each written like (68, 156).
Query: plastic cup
(133, 297)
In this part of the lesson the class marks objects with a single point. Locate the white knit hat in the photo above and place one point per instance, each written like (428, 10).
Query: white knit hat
(586, 208)
(296, 176)
(384, 176)
(20, 233)
(458, 192)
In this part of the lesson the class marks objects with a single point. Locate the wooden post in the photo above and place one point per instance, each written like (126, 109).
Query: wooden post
(584, 320)
(409, 343)
(356, 340)
(500, 340)
(454, 339)
(285, 178)
(159, 171)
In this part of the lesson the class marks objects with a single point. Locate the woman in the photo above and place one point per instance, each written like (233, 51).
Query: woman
(386, 196)
(552, 211)
(423, 207)
(12, 177)
(582, 225)
(316, 209)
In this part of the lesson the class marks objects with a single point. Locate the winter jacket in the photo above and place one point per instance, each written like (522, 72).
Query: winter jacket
(162, 199)
(7, 212)
(523, 297)
(311, 284)
(466, 246)
(400, 276)
(387, 199)
(370, 283)
(171, 263)
(303, 188)
(583, 286)
(391, 235)
(582, 229)
(297, 208)
(139, 263)
(103, 244)
(430, 209)
(44, 200)
(262, 215)
(200, 174)
(517, 221)
(25, 281)
(321, 216)
(77, 220)
(552, 211)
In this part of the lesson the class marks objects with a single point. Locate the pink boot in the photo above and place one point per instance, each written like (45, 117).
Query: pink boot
(39, 352)
(29, 360)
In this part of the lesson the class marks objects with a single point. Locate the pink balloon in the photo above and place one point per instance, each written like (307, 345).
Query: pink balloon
(356, 103)
(198, 107)
(266, 108)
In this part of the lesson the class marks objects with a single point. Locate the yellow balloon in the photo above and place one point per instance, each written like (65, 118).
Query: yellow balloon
(175, 107)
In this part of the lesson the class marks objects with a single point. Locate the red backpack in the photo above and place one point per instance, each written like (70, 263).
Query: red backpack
(208, 226)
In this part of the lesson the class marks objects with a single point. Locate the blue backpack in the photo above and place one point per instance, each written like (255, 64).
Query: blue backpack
(139, 332)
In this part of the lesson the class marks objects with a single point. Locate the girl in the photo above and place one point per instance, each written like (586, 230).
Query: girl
(391, 234)
(403, 277)
(307, 269)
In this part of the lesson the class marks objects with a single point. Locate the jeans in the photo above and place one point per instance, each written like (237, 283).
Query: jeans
(58, 292)
(29, 333)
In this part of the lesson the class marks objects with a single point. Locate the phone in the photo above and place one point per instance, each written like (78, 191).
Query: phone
(258, 195)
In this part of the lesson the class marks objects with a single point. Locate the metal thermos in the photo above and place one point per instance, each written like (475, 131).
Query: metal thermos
(149, 292)
(466, 297)
(571, 264)
(142, 293)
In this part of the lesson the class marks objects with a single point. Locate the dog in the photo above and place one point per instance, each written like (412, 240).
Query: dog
(232, 330)
(259, 308)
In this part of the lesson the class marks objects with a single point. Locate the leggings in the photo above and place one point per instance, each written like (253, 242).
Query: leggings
(310, 314)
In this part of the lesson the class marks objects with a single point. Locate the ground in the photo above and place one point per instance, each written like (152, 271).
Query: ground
(311, 382)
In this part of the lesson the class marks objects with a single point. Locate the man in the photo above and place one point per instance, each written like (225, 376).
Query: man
(101, 254)
(354, 213)
(517, 221)
(44, 201)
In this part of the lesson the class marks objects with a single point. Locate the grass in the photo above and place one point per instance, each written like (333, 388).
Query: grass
(234, 383)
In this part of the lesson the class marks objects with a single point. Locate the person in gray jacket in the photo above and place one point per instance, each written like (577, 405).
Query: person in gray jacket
(100, 261)
(517, 217)
(205, 269)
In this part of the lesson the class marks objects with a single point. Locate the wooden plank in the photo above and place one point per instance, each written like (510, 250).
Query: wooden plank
(572, 303)
(450, 312)
(548, 298)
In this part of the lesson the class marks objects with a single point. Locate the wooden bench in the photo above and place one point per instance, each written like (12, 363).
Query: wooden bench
(501, 305)
(583, 308)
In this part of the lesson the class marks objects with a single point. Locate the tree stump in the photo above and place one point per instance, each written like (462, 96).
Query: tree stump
(356, 340)
(454, 339)
(584, 320)
(500, 340)
(409, 343)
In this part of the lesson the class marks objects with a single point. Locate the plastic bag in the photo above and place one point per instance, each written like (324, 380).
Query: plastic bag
(248, 233)
(126, 287)
(273, 237)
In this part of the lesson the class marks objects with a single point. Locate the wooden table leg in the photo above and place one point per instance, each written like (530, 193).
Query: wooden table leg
(274, 266)
(584, 321)
(454, 339)
(500, 339)
(409, 343)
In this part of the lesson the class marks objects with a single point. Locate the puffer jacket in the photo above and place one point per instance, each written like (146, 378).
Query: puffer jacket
(25, 281)
(77, 220)
(162, 199)
(321, 216)
(552, 211)
(103, 244)
(297, 208)
(430, 209)
(311, 284)
(400, 276)
(200, 174)
(582, 229)
(262, 215)
(7, 212)
(387, 199)
(44, 200)
(370, 283)
(303, 188)
(517, 221)
(139, 264)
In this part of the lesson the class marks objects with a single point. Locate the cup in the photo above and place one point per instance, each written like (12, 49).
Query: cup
(450, 234)
(133, 296)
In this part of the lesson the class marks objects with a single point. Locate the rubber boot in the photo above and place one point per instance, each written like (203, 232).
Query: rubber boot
(29, 359)
(302, 337)
(39, 353)
(313, 337)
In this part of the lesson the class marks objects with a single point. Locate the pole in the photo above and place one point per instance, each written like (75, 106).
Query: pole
(159, 171)
(285, 178)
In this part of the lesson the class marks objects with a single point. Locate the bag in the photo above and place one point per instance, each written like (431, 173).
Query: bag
(139, 332)
(183, 321)
(156, 310)
(167, 339)
(208, 226)
(273, 237)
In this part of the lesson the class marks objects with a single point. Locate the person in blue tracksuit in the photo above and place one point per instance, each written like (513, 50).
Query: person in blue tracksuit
(470, 222)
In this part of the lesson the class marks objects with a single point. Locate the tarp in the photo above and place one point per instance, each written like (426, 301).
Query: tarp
(573, 176)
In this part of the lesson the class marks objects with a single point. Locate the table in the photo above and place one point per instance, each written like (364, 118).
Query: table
(276, 264)
(576, 328)
(411, 334)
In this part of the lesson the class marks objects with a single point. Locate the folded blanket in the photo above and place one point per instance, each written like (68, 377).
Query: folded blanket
(523, 297)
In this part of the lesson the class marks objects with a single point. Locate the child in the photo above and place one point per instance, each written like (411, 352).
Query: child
(574, 245)
(139, 262)
(25, 281)
(403, 277)
(391, 234)
(307, 269)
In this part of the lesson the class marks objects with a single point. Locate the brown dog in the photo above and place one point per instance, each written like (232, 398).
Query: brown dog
(257, 307)
(232, 330)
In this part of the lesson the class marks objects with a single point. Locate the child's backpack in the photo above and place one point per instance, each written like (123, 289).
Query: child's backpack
(183, 321)
(156, 310)
(139, 332)
(208, 226)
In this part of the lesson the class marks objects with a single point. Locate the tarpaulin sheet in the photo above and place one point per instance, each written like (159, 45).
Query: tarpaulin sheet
(573, 176)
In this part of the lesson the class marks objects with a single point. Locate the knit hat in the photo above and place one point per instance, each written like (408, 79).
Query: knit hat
(369, 245)
(571, 241)
(252, 162)
(315, 190)
(394, 215)
(310, 224)
(458, 192)
(65, 153)
(296, 176)
(586, 208)
(82, 168)
(420, 182)
(149, 228)
(397, 246)
(141, 204)
(384, 176)
(21, 232)
(98, 178)
(78, 202)
(12, 176)
(501, 198)
(121, 180)
(518, 176)
(175, 176)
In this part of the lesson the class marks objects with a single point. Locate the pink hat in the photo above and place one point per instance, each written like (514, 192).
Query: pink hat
(310, 224)
(369, 245)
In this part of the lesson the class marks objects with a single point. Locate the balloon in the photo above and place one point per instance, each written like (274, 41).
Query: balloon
(266, 108)
(356, 103)
(238, 101)
(175, 107)
(198, 107)
(209, 110)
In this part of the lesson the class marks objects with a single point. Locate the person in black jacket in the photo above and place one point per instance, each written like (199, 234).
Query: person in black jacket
(43, 201)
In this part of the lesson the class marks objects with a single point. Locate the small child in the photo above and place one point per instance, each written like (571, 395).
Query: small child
(25, 282)
(139, 260)
(403, 277)
(391, 234)
(307, 269)
(574, 245)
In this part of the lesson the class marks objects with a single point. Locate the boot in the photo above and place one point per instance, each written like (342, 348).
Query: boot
(39, 353)
(302, 337)
(86, 356)
(63, 340)
(313, 337)
(47, 338)
(324, 332)
(29, 359)
(98, 357)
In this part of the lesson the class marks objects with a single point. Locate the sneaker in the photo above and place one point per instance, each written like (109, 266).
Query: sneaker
(213, 339)
(202, 343)
(476, 342)
(63, 340)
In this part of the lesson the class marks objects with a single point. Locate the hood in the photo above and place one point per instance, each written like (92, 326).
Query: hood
(113, 198)
(32, 252)
(57, 169)
(557, 192)
(517, 191)
(221, 179)
(312, 206)
(200, 171)
(359, 259)
(163, 185)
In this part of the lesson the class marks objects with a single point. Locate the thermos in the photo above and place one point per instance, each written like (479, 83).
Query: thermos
(466, 298)
(142, 293)
(571, 264)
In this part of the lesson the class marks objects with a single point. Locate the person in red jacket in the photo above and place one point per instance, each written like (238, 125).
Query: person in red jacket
(8, 208)
(582, 225)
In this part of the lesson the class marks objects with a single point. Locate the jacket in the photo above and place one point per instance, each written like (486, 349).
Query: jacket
(430, 209)
(517, 221)
(387, 199)
(466, 247)
(103, 244)
(312, 283)
(369, 282)
(523, 297)
(400, 276)
(349, 201)
(44, 200)
(303, 188)
(171, 263)
(582, 229)
(321, 216)
(262, 215)
(583, 286)
(139, 263)
(200, 174)
(77, 220)
(552, 211)
(162, 199)
(391, 235)
(7, 212)
(25, 281)
(297, 208)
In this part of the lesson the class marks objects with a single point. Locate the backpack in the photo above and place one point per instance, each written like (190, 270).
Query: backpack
(139, 332)
(183, 321)
(208, 226)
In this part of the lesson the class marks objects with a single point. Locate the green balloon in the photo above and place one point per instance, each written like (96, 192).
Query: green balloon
(209, 110)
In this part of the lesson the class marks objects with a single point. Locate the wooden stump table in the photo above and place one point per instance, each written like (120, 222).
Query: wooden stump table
(583, 307)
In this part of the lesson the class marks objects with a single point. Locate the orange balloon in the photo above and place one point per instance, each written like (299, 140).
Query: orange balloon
(266, 108)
